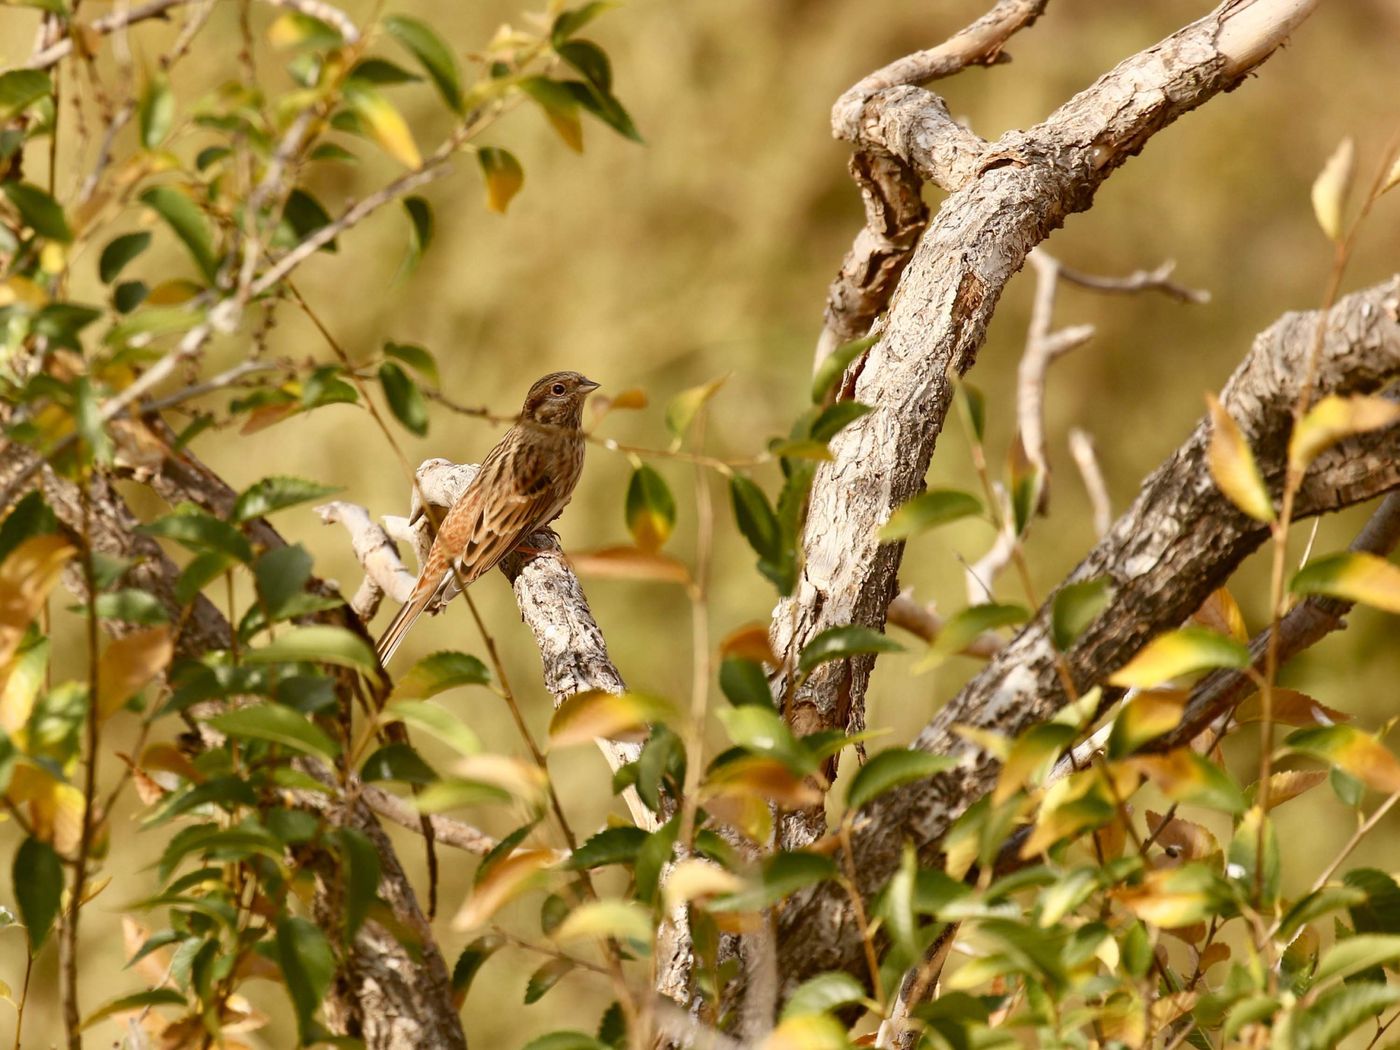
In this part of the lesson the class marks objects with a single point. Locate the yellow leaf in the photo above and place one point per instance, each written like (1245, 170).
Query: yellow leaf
(749, 642)
(1146, 716)
(22, 679)
(516, 874)
(630, 563)
(128, 664)
(503, 174)
(1392, 177)
(55, 807)
(523, 780)
(1221, 614)
(1071, 806)
(1331, 188)
(757, 775)
(173, 292)
(620, 920)
(600, 404)
(750, 814)
(807, 1032)
(1353, 577)
(385, 123)
(1334, 418)
(610, 716)
(1178, 653)
(1232, 465)
(26, 577)
(1352, 751)
(694, 878)
(1291, 783)
(1031, 758)
(19, 289)
(1174, 897)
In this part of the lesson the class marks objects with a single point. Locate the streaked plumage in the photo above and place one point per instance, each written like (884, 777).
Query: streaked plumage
(524, 483)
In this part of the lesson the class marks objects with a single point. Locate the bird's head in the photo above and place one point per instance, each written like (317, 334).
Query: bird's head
(557, 399)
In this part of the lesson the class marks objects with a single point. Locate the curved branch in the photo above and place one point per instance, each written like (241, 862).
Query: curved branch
(1028, 182)
(1178, 542)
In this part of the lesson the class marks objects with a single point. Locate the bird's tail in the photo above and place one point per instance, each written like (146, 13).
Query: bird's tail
(390, 640)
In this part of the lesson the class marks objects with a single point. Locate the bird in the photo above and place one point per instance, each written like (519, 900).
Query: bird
(523, 484)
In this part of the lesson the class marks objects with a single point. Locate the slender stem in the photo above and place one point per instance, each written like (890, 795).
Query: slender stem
(700, 654)
(23, 998)
(71, 1013)
(872, 960)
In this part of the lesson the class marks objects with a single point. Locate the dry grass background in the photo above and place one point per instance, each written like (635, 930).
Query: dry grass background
(707, 252)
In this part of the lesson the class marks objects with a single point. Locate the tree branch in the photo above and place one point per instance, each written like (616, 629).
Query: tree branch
(1026, 185)
(1179, 541)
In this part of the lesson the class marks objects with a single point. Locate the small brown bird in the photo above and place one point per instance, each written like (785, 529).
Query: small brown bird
(524, 483)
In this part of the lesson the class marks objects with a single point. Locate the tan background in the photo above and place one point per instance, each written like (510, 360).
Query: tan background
(707, 251)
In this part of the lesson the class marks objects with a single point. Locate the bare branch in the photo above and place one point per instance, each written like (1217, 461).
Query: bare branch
(1081, 448)
(924, 622)
(446, 831)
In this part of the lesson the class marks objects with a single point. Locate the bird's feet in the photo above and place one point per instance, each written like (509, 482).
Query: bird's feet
(525, 550)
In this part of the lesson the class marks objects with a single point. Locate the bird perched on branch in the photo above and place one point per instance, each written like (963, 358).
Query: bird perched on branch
(524, 483)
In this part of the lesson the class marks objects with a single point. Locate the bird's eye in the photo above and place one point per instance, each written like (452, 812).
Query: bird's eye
(557, 388)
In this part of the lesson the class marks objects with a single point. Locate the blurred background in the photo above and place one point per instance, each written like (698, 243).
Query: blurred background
(707, 252)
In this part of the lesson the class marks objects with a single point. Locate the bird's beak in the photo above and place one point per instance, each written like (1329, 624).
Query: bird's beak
(588, 386)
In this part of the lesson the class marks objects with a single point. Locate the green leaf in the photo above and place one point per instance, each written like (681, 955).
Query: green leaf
(38, 881)
(1144, 717)
(756, 519)
(761, 729)
(650, 509)
(560, 107)
(1338, 1012)
(503, 174)
(277, 724)
(40, 212)
(590, 60)
(974, 407)
(1352, 576)
(156, 111)
(928, 510)
(1354, 954)
(570, 22)
(441, 724)
(1075, 606)
(132, 606)
(469, 963)
(420, 235)
(276, 493)
(824, 993)
(836, 418)
(1379, 911)
(967, 625)
(1177, 653)
(361, 868)
(783, 874)
(281, 573)
(891, 769)
(1244, 864)
(308, 964)
(404, 398)
(610, 846)
(316, 643)
(385, 123)
(837, 643)
(397, 762)
(566, 1040)
(120, 252)
(183, 216)
(685, 406)
(430, 51)
(302, 216)
(743, 682)
(416, 358)
(605, 107)
(19, 88)
(545, 978)
(834, 365)
(382, 72)
(199, 531)
(439, 672)
(134, 1002)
